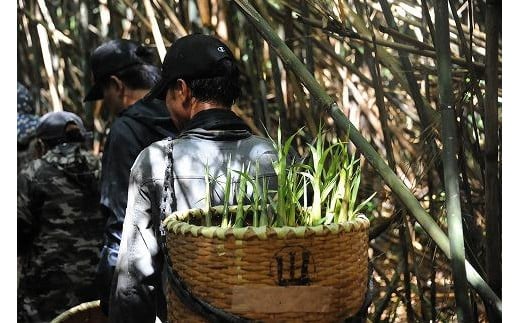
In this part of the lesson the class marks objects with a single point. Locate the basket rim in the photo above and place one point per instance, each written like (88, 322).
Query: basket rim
(76, 309)
(175, 225)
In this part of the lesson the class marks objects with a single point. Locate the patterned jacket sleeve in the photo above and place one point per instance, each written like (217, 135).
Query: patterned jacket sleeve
(136, 286)
(119, 155)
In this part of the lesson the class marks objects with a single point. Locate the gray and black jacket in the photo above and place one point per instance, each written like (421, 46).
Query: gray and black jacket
(211, 140)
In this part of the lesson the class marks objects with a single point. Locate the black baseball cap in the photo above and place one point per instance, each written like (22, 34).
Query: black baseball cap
(114, 56)
(52, 125)
(190, 57)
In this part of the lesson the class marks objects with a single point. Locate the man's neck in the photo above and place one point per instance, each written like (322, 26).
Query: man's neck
(198, 106)
(132, 96)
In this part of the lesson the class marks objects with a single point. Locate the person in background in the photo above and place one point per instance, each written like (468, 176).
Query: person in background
(200, 83)
(123, 72)
(26, 127)
(59, 226)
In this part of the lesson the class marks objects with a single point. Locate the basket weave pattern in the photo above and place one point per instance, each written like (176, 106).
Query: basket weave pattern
(217, 264)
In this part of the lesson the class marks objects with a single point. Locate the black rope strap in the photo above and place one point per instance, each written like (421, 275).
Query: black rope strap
(197, 305)
(181, 290)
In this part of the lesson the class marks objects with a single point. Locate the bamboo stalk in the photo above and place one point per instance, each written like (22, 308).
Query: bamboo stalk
(419, 48)
(391, 288)
(277, 79)
(156, 32)
(256, 55)
(307, 113)
(60, 76)
(390, 61)
(425, 118)
(104, 18)
(470, 23)
(386, 60)
(420, 289)
(476, 41)
(252, 74)
(352, 68)
(25, 22)
(467, 53)
(473, 237)
(184, 16)
(47, 62)
(429, 53)
(383, 117)
(139, 15)
(205, 12)
(451, 172)
(230, 11)
(83, 43)
(376, 76)
(56, 35)
(481, 35)
(406, 273)
(218, 11)
(405, 38)
(309, 55)
(178, 29)
(433, 258)
(371, 155)
(428, 18)
(29, 52)
(289, 90)
(492, 183)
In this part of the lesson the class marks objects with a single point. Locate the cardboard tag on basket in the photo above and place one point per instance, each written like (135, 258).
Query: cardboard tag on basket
(281, 299)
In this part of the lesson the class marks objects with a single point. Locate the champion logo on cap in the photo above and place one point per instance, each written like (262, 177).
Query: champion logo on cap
(221, 49)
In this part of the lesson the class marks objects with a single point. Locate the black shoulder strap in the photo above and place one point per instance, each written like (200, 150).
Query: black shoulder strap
(180, 289)
(167, 194)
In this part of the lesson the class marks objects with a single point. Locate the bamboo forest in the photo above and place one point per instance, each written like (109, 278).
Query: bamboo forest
(398, 103)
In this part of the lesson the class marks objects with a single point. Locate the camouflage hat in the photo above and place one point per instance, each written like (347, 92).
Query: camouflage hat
(24, 100)
(53, 124)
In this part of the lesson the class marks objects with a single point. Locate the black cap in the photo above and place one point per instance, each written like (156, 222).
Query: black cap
(112, 57)
(190, 57)
(52, 125)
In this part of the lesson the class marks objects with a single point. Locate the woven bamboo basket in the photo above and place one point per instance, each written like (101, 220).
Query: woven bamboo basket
(89, 312)
(287, 274)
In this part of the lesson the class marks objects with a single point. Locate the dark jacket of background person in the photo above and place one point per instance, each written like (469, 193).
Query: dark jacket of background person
(60, 231)
(133, 130)
(123, 72)
(213, 137)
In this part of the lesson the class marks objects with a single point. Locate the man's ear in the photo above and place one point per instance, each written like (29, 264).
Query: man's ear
(118, 85)
(183, 90)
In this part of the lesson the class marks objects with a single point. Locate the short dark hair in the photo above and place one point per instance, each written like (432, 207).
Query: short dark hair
(137, 76)
(223, 90)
